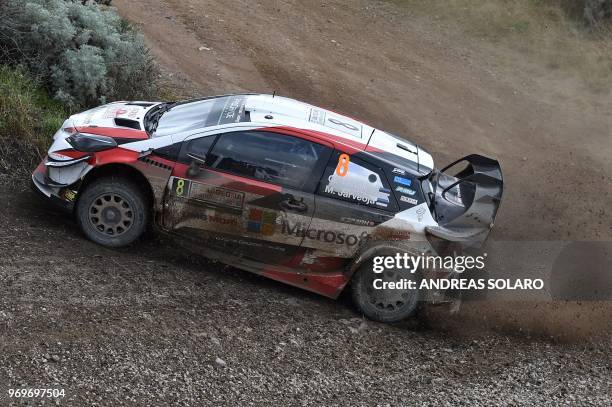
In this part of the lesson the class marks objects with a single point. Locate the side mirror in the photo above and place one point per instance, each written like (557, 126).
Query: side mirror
(196, 163)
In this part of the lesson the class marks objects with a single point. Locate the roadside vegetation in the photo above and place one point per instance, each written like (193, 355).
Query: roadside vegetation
(62, 56)
(574, 36)
(28, 118)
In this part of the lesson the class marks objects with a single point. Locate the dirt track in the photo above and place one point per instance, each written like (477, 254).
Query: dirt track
(452, 95)
(144, 326)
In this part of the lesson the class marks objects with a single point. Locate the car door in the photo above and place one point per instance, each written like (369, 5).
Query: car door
(238, 191)
(352, 198)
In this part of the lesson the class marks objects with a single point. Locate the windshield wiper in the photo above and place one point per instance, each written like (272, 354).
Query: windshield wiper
(152, 118)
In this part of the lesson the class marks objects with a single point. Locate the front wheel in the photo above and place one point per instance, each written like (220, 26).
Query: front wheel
(112, 212)
(380, 303)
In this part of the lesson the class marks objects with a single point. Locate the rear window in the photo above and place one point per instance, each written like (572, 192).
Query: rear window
(358, 182)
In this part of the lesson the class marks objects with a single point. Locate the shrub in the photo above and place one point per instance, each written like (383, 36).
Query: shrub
(84, 53)
(28, 119)
(596, 11)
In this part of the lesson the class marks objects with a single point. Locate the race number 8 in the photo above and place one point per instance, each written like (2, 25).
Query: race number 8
(343, 165)
(181, 187)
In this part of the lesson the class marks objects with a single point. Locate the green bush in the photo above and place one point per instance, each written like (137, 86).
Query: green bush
(28, 119)
(84, 53)
(597, 11)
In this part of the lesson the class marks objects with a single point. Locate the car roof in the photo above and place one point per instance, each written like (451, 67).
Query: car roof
(325, 124)
(283, 111)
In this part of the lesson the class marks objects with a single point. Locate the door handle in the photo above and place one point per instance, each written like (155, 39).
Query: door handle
(293, 205)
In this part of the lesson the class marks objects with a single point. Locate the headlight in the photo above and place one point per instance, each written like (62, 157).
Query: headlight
(91, 143)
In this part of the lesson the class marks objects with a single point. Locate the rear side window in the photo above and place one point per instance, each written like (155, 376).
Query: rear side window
(357, 181)
(270, 157)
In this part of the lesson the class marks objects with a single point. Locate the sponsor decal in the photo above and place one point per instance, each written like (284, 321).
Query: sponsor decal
(217, 195)
(406, 191)
(330, 120)
(398, 171)
(261, 221)
(360, 222)
(346, 125)
(69, 195)
(400, 235)
(309, 257)
(359, 196)
(112, 112)
(226, 110)
(220, 220)
(343, 165)
(358, 184)
(233, 110)
(133, 112)
(420, 213)
(403, 181)
(411, 201)
(181, 187)
(184, 188)
(317, 116)
(321, 235)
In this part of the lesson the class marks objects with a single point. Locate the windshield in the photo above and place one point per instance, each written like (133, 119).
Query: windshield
(172, 118)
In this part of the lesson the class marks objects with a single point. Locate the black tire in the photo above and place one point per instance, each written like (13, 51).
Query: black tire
(112, 212)
(390, 305)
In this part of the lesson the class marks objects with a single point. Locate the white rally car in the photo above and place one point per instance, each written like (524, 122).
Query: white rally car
(272, 185)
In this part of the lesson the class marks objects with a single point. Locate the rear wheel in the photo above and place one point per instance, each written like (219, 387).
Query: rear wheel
(384, 304)
(112, 212)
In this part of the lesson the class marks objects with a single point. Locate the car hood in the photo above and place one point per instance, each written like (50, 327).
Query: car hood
(113, 119)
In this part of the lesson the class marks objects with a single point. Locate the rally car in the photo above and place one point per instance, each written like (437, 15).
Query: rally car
(282, 188)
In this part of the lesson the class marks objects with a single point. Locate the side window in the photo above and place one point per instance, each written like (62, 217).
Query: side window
(356, 181)
(270, 157)
(199, 147)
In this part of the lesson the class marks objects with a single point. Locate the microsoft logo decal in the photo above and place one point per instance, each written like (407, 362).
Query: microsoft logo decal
(260, 221)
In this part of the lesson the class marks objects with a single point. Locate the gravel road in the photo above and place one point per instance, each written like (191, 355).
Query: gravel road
(154, 325)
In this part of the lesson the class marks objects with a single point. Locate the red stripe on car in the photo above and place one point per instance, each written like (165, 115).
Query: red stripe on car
(329, 285)
(340, 143)
(116, 155)
(229, 181)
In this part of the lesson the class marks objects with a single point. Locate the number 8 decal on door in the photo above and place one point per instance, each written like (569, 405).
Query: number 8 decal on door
(343, 165)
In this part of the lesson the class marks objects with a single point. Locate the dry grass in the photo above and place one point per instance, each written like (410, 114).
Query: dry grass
(550, 31)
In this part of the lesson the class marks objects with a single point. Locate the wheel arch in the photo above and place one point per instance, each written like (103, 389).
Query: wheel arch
(123, 171)
(382, 249)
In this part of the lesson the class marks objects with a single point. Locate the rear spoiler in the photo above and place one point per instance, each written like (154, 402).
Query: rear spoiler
(479, 188)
